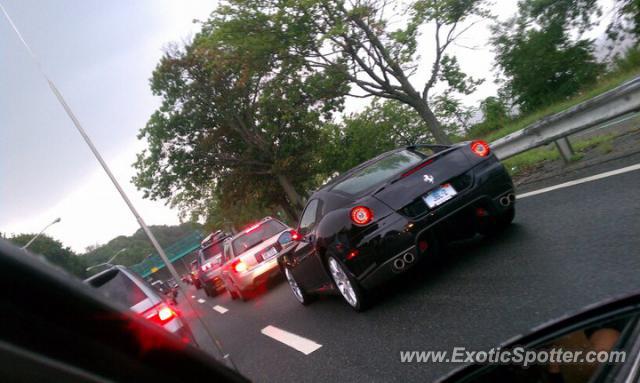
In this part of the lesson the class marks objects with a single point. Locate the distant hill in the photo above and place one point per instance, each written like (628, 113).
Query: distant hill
(137, 245)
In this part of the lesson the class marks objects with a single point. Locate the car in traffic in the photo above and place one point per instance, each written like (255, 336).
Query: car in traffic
(250, 257)
(73, 333)
(379, 218)
(209, 261)
(123, 286)
(104, 336)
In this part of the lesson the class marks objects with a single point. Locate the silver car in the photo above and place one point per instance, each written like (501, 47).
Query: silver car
(210, 261)
(251, 257)
(125, 287)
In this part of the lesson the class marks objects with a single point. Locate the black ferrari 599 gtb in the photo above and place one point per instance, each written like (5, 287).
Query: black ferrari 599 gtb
(379, 218)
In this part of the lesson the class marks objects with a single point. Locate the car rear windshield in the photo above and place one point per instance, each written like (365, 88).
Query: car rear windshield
(118, 287)
(379, 171)
(211, 251)
(256, 235)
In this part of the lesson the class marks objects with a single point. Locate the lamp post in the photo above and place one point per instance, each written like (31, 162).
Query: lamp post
(107, 262)
(40, 233)
(116, 184)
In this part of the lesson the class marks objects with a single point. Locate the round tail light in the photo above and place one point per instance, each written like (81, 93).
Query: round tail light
(480, 148)
(361, 215)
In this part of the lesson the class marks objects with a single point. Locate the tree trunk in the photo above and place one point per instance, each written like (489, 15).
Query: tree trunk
(290, 212)
(432, 122)
(295, 201)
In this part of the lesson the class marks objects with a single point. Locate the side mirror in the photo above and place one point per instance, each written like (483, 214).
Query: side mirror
(288, 237)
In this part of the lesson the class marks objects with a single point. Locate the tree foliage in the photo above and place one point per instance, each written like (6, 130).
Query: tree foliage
(537, 55)
(625, 22)
(137, 245)
(495, 116)
(382, 126)
(53, 251)
(381, 59)
(241, 112)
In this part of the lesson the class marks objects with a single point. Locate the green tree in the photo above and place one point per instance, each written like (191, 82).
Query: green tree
(241, 113)
(53, 251)
(361, 36)
(137, 245)
(625, 22)
(539, 59)
(495, 116)
(382, 126)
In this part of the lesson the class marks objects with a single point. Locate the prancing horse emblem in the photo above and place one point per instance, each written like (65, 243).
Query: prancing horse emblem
(428, 178)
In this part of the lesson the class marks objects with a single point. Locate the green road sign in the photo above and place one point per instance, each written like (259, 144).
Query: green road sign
(175, 251)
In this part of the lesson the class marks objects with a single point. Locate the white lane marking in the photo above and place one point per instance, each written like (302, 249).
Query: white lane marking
(220, 309)
(193, 296)
(201, 300)
(580, 181)
(304, 345)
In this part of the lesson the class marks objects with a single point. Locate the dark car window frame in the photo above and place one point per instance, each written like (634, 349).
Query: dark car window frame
(261, 227)
(304, 230)
(227, 251)
(120, 287)
(201, 252)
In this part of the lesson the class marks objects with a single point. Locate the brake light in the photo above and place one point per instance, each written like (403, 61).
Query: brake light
(480, 148)
(240, 266)
(165, 313)
(160, 314)
(361, 215)
(295, 236)
(352, 254)
(415, 169)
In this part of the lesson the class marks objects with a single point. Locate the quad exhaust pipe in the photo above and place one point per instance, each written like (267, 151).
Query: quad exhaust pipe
(508, 199)
(402, 262)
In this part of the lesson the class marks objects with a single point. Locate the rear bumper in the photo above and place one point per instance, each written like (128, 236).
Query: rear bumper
(256, 276)
(399, 234)
(186, 335)
(181, 329)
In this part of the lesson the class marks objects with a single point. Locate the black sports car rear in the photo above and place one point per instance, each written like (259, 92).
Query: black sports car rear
(379, 218)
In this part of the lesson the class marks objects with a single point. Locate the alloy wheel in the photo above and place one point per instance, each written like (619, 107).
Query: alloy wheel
(294, 285)
(343, 282)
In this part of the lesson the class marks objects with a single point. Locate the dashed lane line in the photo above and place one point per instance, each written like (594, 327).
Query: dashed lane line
(304, 345)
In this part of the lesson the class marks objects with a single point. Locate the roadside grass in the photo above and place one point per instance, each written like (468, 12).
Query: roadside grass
(597, 141)
(530, 159)
(537, 157)
(606, 83)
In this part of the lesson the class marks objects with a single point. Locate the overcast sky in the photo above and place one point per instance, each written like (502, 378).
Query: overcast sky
(101, 55)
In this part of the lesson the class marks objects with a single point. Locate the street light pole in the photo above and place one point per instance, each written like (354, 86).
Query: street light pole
(40, 233)
(116, 254)
(107, 262)
(97, 154)
(124, 196)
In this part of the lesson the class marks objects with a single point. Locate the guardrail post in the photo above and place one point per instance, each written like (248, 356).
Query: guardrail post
(565, 149)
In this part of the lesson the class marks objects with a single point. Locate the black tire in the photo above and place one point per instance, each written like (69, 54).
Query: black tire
(209, 290)
(357, 298)
(298, 292)
(507, 217)
(231, 290)
(243, 295)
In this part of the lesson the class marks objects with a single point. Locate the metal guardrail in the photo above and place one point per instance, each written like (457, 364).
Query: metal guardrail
(617, 102)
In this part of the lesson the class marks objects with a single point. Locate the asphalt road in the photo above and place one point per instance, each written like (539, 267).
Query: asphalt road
(566, 249)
